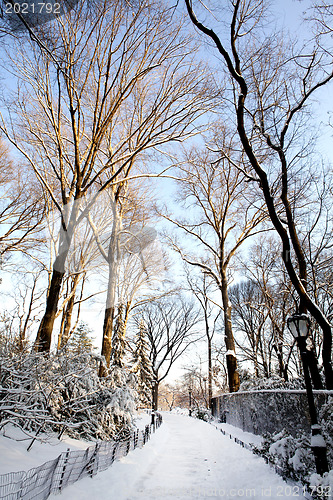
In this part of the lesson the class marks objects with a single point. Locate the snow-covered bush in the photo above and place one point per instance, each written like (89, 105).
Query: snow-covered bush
(180, 411)
(63, 393)
(202, 413)
(251, 383)
(326, 420)
(321, 486)
(291, 455)
(294, 458)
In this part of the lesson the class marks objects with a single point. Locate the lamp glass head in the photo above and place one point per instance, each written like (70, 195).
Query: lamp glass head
(299, 325)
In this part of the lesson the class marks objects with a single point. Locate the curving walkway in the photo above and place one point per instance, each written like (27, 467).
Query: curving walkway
(185, 459)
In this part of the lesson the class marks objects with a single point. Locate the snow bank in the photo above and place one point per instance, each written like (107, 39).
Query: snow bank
(14, 456)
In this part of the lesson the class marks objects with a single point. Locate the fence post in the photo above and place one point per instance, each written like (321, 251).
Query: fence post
(64, 469)
(93, 460)
(146, 434)
(114, 452)
(153, 416)
(136, 438)
(128, 444)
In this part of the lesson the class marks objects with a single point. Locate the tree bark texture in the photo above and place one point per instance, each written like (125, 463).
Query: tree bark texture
(44, 336)
(233, 376)
(155, 396)
(66, 324)
(210, 373)
(113, 255)
(68, 224)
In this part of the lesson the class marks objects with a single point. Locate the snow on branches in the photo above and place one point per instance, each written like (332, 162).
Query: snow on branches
(142, 367)
(63, 393)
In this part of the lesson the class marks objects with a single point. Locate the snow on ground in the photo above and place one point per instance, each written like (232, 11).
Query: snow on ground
(14, 456)
(185, 459)
(246, 437)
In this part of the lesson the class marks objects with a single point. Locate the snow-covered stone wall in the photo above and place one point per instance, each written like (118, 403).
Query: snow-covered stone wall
(270, 411)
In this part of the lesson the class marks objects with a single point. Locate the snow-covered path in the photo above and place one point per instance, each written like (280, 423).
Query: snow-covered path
(185, 459)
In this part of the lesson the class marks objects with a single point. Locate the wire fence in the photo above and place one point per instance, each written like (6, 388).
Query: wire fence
(70, 466)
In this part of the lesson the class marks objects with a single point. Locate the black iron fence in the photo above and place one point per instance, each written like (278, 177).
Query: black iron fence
(70, 466)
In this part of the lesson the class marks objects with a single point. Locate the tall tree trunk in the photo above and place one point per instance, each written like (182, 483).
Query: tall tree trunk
(107, 340)
(154, 390)
(233, 376)
(68, 312)
(44, 335)
(313, 368)
(298, 282)
(155, 395)
(311, 355)
(113, 254)
(209, 354)
(283, 373)
(210, 374)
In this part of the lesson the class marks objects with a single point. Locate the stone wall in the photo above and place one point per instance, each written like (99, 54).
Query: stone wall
(267, 410)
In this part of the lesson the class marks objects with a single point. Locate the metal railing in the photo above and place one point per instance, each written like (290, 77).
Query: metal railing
(70, 466)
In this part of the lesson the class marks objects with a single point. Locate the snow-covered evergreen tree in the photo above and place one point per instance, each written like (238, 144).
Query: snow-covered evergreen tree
(142, 367)
(81, 341)
(120, 379)
(118, 340)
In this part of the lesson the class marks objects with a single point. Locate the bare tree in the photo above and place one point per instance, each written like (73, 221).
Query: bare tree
(202, 287)
(317, 241)
(24, 304)
(170, 326)
(21, 208)
(250, 316)
(129, 252)
(167, 397)
(83, 262)
(103, 86)
(222, 218)
(272, 84)
(192, 389)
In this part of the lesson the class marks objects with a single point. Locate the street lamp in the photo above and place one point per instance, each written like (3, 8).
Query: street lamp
(205, 388)
(190, 402)
(299, 326)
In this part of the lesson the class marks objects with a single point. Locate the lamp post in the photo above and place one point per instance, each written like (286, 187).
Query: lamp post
(205, 389)
(190, 402)
(299, 326)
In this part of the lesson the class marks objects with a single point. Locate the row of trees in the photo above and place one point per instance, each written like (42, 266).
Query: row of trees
(270, 86)
(86, 120)
(94, 101)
